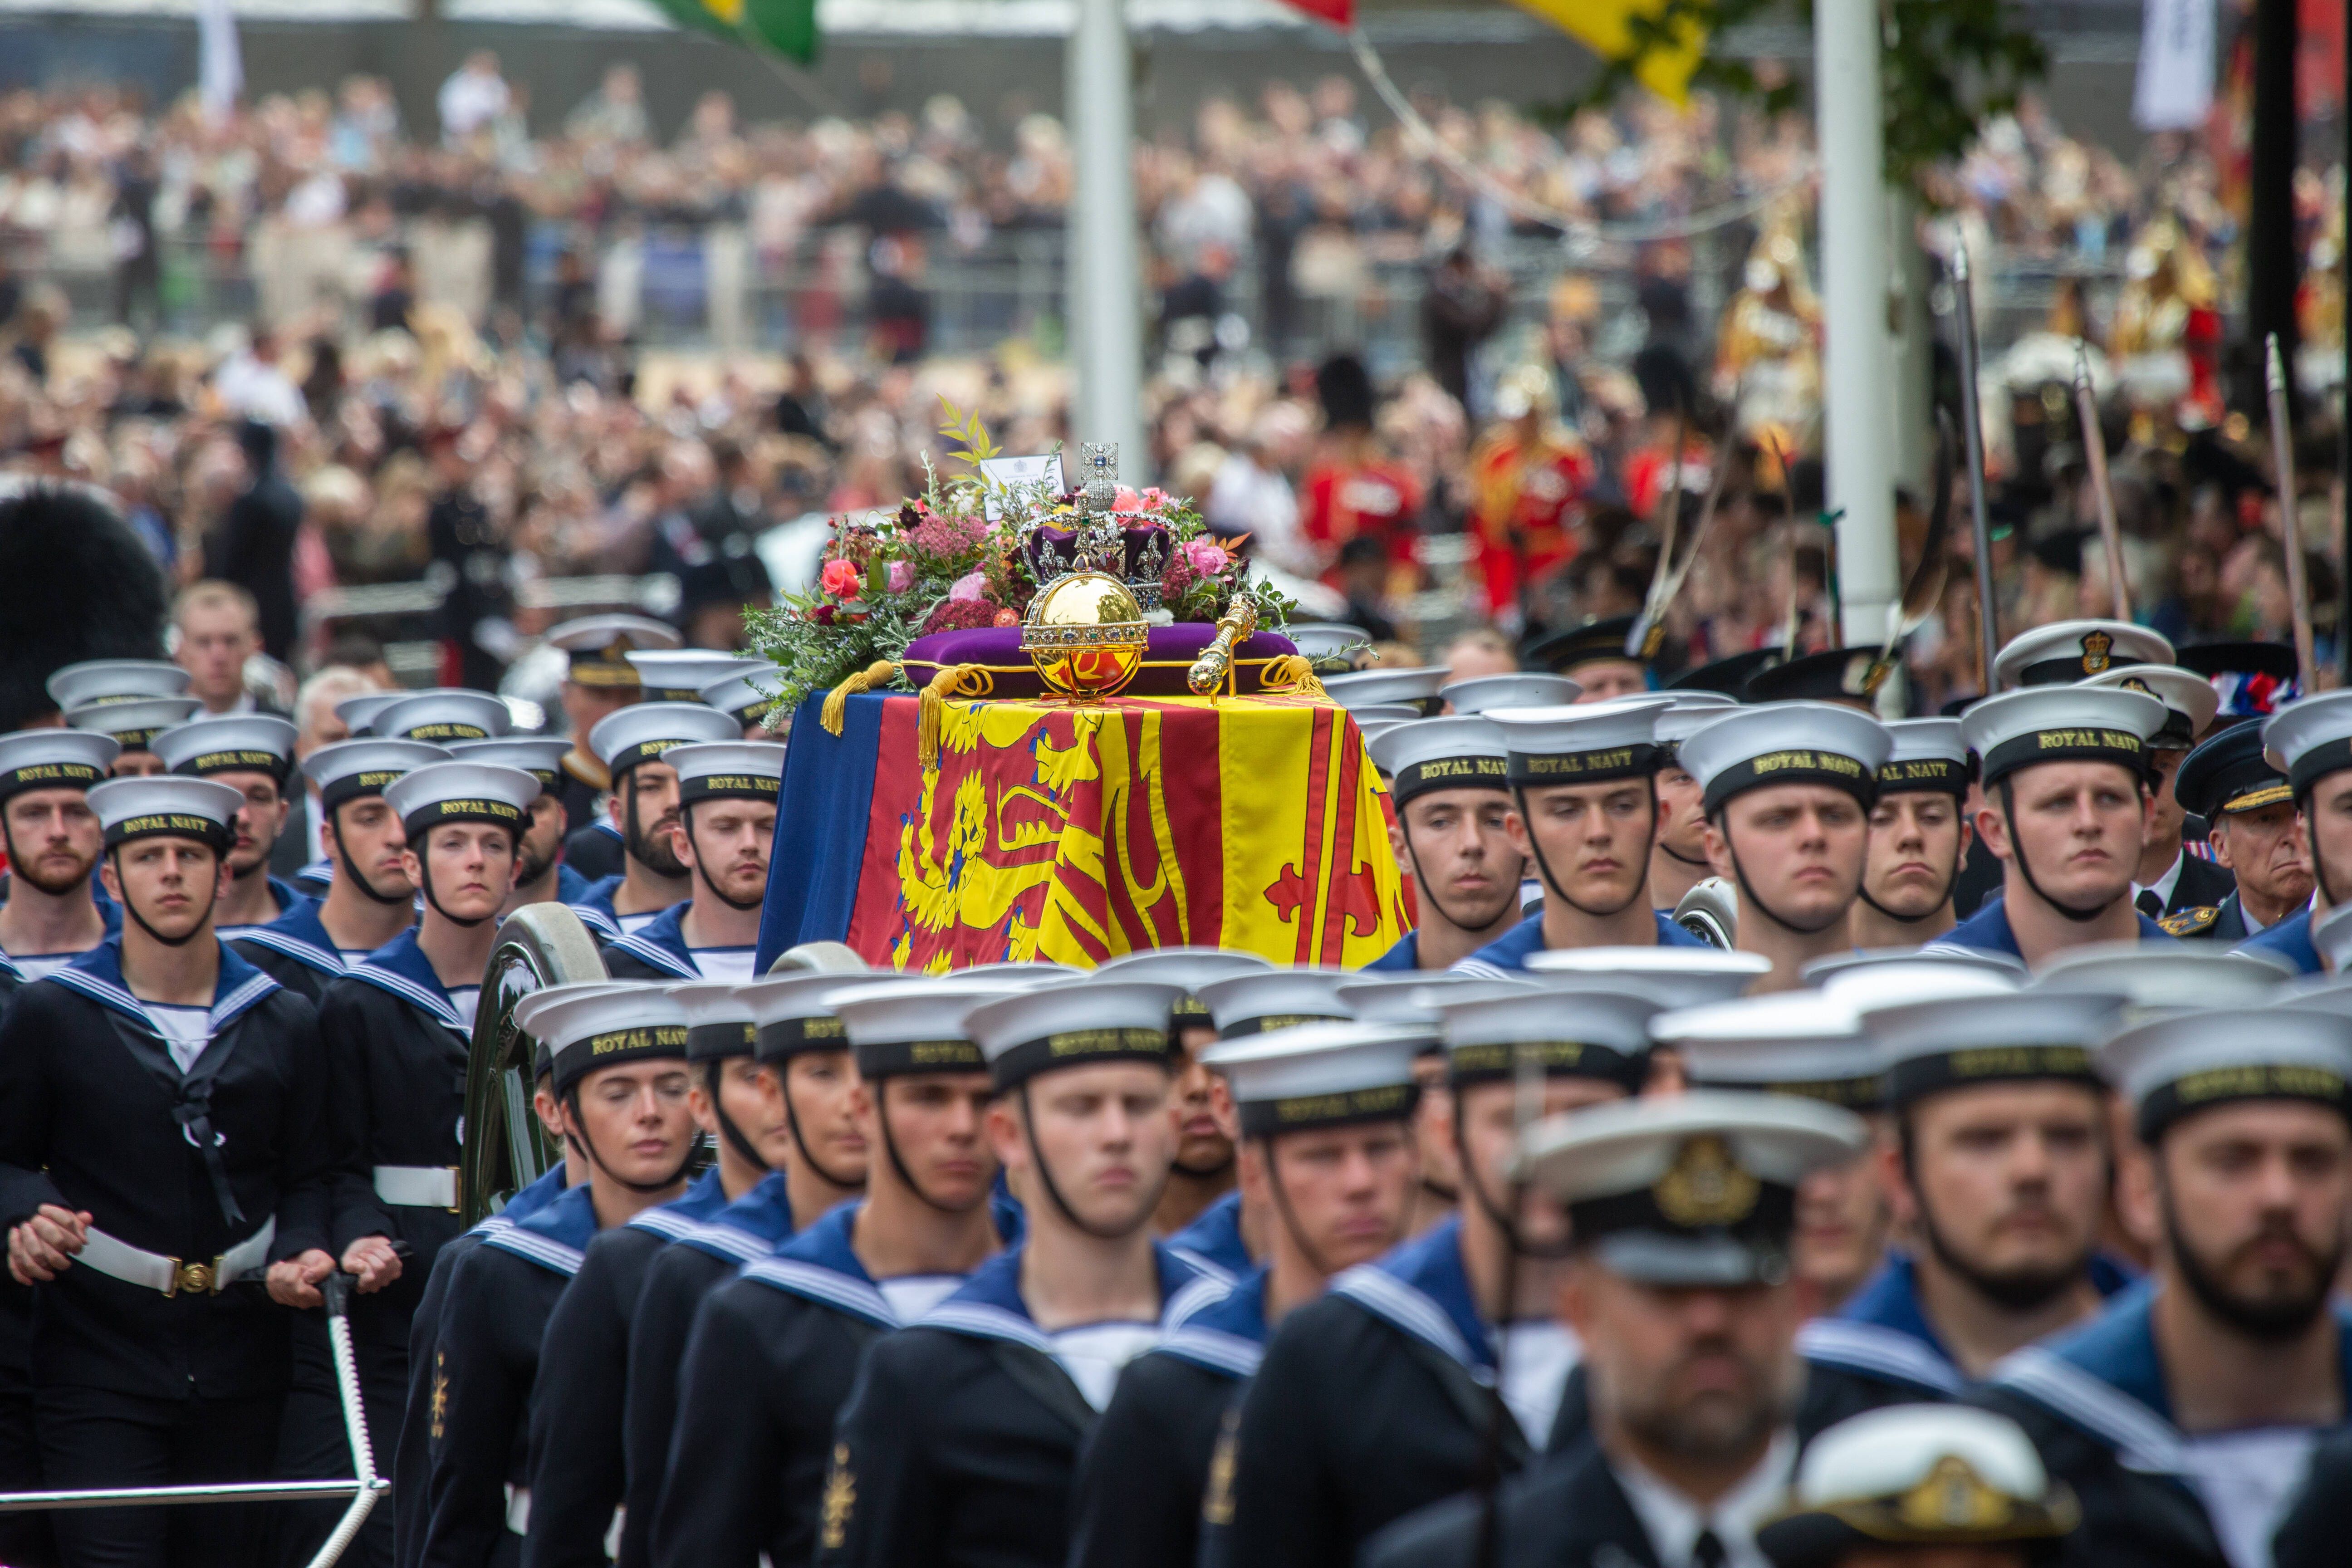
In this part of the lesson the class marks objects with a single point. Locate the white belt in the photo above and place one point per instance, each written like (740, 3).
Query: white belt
(417, 1186)
(169, 1275)
(517, 1508)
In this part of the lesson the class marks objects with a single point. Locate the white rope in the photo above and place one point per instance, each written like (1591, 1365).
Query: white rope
(1581, 232)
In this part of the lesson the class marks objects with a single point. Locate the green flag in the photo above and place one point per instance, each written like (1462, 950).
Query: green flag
(787, 27)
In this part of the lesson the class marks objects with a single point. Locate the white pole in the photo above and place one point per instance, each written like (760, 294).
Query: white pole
(1858, 368)
(1106, 269)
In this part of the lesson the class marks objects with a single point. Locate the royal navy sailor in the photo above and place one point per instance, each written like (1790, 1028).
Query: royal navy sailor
(748, 696)
(598, 683)
(1918, 837)
(2066, 806)
(157, 1358)
(1326, 1115)
(1448, 781)
(541, 874)
(1679, 863)
(2171, 880)
(1680, 1288)
(620, 1079)
(114, 680)
(644, 807)
(134, 724)
(1419, 1369)
(2230, 785)
(959, 1444)
(2310, 741)
(254, 754)
(727, 795)
(1585, 812)
(2185, 1415)
(773, 1351)
(441, 717)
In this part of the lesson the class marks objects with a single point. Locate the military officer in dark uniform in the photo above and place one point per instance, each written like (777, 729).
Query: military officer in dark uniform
(253, 752)
(133, 723)
(2184, 1417)
(1383, 1395)
(2311, 739)
(960, 1441)
(1681, 1209)
(1326, 1112)
(368, 900)
(600, 682)
(157, 1358)
(727, 794)
(645, 805)
(2228, 782)
(617, 1056)
(541, 876)
(773, 1351)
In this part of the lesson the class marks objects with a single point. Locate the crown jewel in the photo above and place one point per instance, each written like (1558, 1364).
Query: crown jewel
(1130, 546)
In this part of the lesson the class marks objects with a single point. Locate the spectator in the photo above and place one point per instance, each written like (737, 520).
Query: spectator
(615, 112)
(1482, 652)
(250, 382)
(253, 546)
(474, 96)
(217, 633)
(1464, 304)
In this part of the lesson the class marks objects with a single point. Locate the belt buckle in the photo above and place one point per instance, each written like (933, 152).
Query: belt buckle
(194, 1278)
(457, 1190)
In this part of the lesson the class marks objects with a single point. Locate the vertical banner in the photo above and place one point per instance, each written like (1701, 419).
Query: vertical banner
(2175, 88)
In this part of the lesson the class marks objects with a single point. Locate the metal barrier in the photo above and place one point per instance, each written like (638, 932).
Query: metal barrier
(363, 1489)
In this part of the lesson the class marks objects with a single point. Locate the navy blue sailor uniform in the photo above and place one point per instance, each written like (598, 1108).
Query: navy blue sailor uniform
(645, 732)
(295, 951)
(1508, 953)
(157, 1359)
(1212, 1243)
(1988, 930)
(657, 951)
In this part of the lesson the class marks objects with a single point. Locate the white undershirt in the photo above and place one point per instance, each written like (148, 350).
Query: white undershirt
(2246, 1479)
(465, 999)
(1094, 1353)
(186, 1031)
(33, 965)
(912, 1295)
(352, 955)
(1537, 1356)
(632, 924)
(1672, 1525)
(729, 964)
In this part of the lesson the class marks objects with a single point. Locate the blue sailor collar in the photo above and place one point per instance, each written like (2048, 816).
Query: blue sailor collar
(301, 936)
(1405, 955)
(2289, 938)
(820, 1264)
(661, 943)
(1422, 1288)
(400, 968)
(98, 975)
(9, 969)
(1508, 953)
(2106, 1380)
(699, 1203)
(318, 876)
(571, 886)
(989, 1306)
(290, 900)
(524, 1204)
(556, 1237)
(595, 909)
(1212, 1243)
(752, 1226)
(1883, 1331)
(1225, 1334)
(1988, 930)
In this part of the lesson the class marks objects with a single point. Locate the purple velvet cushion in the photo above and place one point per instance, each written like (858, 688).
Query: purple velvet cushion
(1167, 656)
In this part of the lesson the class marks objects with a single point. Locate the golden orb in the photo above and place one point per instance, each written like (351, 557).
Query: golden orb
(1086, 634)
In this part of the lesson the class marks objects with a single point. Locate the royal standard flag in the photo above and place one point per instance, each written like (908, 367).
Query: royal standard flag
(1074, 832)
(1605, 27)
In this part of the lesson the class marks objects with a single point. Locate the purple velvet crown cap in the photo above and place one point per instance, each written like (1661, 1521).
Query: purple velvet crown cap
(1168, 653)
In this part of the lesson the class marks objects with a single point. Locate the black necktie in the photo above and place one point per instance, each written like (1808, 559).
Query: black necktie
(1707, 1551)
(2151, 903)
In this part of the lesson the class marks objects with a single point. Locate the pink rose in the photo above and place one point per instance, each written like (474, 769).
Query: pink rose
(1127, 501)
(969, 589)
(1156, 500)
(841, 579)
(902, 576)
(1205, 556)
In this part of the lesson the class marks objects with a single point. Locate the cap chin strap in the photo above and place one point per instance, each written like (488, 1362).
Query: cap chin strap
(1950, 882)
(1307, 1249)
(132, 909)
(352, 866)
(424, 883)
(1553, 886)
(712, 1073)
(1676, 856)
(1516, 1243)
(1404, 831)
(2017, 854)
(800, 1139)
(1748, 891)
(1054, 1190)
(581, 1141)
(2311, 846)
(686, 826)
(898, 1164)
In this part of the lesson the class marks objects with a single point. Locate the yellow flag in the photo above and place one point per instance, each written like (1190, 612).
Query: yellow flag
(1600, 26)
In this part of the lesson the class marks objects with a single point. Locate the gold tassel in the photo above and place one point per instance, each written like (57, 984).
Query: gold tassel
(1288, 672)
(836, 712)
(953, 682)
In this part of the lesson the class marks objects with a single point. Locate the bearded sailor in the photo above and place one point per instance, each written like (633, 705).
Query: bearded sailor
(253, 753)
(1326, 1112)
(598, 683)
(773, 1351)
(53, 841)
(727, 795)
(1448, 782)
(632, 744)
(541, 875)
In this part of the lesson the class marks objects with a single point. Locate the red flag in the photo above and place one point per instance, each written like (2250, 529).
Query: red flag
(1339, 13)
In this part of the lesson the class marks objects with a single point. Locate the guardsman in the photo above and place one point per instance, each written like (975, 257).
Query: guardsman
(133, 723)
(1679, 863)
(749, 697)
(1325, 1117)
(621, 1083)
(2170, 880)
(1788, 792)
(2311, 741)
(1448, 781)
(2066, 807)
(1593, 656)
(644, 806)
(1528, 477)
(1200, 1212)
(2065, 652)
(960, 1440)
(2184, 1417)
(773, 1351)
(53, 841)
(1585, 812)
(396, 1025)
(2228, 785)
(727, 795)
(163, 1152)
(253, 753)
(369, 899)
(1918, 837)
(778, 1077)
(1417, 1370)
(1680, 1289)
(1921, 1485)
(599, 683)
(542, 877)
